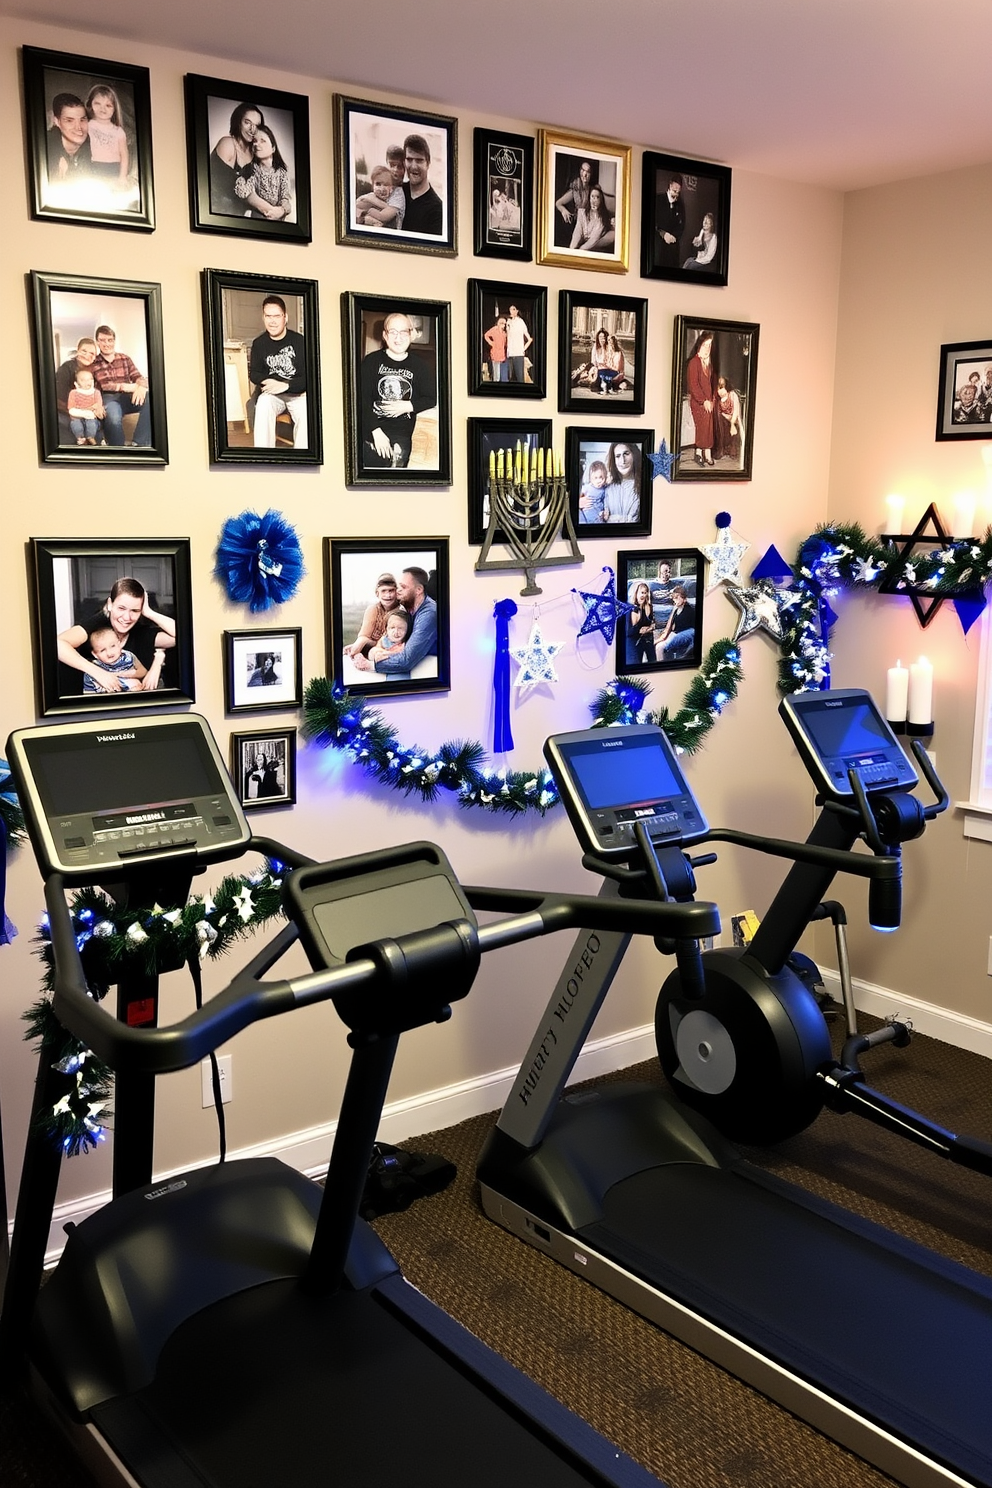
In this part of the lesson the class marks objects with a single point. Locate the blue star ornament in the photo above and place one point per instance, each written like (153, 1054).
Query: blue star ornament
(536, 659)
(760, 609)
(603, 610)
(661, 463)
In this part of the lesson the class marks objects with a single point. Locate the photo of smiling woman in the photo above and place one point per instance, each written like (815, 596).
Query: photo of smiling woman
(252, 160)
(119, 646)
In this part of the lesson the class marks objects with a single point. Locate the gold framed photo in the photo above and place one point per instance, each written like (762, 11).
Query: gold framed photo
(584, 203)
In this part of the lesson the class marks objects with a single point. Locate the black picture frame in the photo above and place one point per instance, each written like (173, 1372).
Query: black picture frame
(958, 415)
(353, 569)
(669, 652)
(214, 109)
(622, 505)
(67, 185)
(263, 767)
(487, 437)
(72, 579)
(364, 131)
(704, 189)
(734, 357)
(263, 669)
(69, 309)
(237, 334)
(421, 449)
(582, 317)
(489, 301)
(503, 194)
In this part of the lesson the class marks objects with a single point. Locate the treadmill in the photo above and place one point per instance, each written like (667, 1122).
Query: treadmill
(880, 1344)
(237, 1324)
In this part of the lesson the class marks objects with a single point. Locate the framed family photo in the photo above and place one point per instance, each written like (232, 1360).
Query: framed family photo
(89, 137)
(395, 172)
(609, 481)
(964, 396)
(507, 339)
(263, 669)
(665, 628)
(715, 364)
(486, 439)
(685, 219)
(248, 154)
(397, 390)
(263, 369)
(602, 353)
(583, 203)
(263, 767)
(113, 623)
(389, 614)
(99, 370)
(503, 195)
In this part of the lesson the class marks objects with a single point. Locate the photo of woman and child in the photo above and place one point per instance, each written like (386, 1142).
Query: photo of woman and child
(713, 431)
(252, 163)
(585, 204)
(119, 645)
(611, 477)
(603, 354)
(664, 627)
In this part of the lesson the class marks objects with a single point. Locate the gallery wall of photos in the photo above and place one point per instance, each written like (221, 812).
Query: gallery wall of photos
(240, 213)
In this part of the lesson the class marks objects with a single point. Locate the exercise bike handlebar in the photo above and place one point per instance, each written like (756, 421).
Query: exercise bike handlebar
(884, 866)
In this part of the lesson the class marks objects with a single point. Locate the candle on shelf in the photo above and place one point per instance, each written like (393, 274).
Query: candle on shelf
(895, 506)
(897, 693)
(921, 693)
(964, 514)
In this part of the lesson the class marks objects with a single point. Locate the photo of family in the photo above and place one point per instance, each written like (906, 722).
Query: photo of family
(602, 349)
(716, 366)
(100, 375)
(504, 194)
(685, 221)
(263, 767)
(262, 669)
(507, 339)
(89, 124)
(609, 481)
(665, 627)
(585, 203)
(964, 400)
(389, 615)
(113, 624)
(396, 177)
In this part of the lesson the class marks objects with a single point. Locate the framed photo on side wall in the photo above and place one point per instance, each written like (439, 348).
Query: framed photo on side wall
(685, 219)
(263, 767)
(716, 363)
(665, 628)
(89, 135)
(602, 353)
(113, 623)
(99, 370)
(609, 481)
(263, 369)
(248, 154)
(396, 172)
(964, 395)
(583, 203)
(263, 669)
(503, 194)
(389, 614)
(507, 339)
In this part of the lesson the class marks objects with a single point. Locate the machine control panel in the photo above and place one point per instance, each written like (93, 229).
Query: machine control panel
(611, 779)
(841, 730)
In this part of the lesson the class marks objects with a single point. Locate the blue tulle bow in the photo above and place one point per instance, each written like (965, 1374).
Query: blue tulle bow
(259, 560)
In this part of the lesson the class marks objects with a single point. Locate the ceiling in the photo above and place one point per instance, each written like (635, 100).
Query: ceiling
(839, 93)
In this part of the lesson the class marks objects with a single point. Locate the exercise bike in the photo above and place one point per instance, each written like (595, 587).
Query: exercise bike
(640, 1190)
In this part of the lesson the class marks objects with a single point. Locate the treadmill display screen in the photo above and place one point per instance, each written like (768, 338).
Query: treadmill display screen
(611, 772)
(84, 776)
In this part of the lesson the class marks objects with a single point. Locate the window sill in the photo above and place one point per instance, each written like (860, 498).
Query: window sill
(977, 820)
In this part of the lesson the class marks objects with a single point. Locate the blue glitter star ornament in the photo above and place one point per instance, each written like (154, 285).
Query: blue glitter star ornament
(661, 463)
(536, 659)
(603, 610)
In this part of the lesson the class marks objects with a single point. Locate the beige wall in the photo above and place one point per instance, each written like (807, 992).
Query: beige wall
(785, 274)
(906, 289)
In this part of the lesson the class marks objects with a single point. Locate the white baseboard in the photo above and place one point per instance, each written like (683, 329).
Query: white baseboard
(957, 1029)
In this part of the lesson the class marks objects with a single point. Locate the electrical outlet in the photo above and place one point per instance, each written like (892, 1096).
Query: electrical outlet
(207, 1083)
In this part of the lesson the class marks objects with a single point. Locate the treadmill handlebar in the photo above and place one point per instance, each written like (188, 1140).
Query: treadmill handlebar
(689, 921)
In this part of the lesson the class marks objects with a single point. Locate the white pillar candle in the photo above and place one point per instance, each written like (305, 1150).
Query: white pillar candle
(894, 507)
(921, 692)
(964, 514)
(897, 693)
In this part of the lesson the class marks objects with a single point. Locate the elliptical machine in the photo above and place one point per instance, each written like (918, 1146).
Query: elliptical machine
(641, 1192)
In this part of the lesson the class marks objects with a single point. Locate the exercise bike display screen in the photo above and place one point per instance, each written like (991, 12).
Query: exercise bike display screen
(610, 779)
(101, 795)
(836, 732)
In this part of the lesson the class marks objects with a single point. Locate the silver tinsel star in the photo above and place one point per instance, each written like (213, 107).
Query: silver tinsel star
(760, 610)
(536, 659)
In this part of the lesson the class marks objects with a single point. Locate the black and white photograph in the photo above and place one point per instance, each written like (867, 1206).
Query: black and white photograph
(389, 614)
(685, 219)
(263, 366)
(584, 200)
(89, 135)
(602, 353)
(248, 153)
(395, 177)
(964, 397)
(665, 628)
(99, 371)
(609, 481)
(263, 669)
(263, 767)
(113, 623)
(503, 195)
(397, 390)
(715, 368)
(508, 339)
(488, 440)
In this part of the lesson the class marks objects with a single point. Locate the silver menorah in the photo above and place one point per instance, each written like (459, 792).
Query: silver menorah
(528, 515)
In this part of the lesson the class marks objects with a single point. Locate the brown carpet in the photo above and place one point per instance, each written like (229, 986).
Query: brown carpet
(689, 1423)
